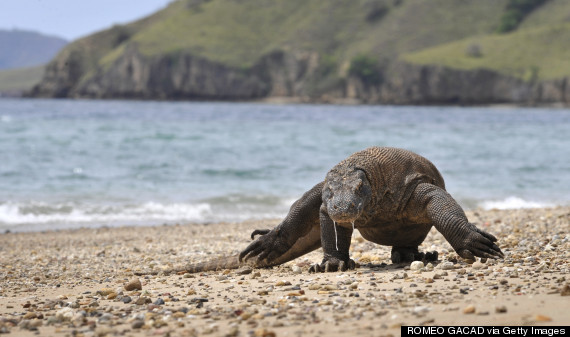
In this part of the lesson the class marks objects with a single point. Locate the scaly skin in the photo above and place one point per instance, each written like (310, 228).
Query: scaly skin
(392, 196)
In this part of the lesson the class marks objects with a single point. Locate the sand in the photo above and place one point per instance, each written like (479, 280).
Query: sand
(72, 283)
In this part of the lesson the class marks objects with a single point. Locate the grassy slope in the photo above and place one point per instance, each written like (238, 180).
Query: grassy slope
(238, 32)
(21, 78)
(539, 49)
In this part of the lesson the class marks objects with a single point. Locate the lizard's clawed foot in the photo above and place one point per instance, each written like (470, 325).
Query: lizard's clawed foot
(266, 248)
(332, 265)
(479, 244)
(406, 254)
(411, 254)
(431, 256)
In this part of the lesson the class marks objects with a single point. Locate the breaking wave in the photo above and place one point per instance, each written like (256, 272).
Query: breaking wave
(37, 213)
(23, 216)
(513, 203)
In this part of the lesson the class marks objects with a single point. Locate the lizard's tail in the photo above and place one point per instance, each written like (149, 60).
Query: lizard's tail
(221, 263)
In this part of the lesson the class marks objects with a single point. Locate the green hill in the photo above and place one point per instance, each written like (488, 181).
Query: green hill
(541, 53)
(538, 50)
(17, 80)
(238, 33)
(244, 49)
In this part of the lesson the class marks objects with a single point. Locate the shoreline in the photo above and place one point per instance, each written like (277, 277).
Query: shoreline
(506, 204)
(71, 281)
(302, 100)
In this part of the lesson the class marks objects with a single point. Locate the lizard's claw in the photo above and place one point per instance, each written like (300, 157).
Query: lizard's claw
(259, 232)
(332, 265)
(479, 244)
(267, 247)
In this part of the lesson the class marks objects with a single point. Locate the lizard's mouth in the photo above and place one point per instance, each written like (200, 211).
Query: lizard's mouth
(345, 213)
(342, 219)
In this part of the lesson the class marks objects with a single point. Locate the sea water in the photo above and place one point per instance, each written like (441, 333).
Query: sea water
(81, 163)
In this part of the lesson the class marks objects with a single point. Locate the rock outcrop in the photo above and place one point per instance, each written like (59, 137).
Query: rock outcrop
(409, 84)
(421, 84)
(178, 76)
(284, 74)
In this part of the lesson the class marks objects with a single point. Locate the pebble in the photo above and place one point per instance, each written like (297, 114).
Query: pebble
(64, 314)
(500, 309)
(105, 291)
(244, 271)
(143, 300)
(416, 265)
(134, 284)
(198, 300)
(542, 318)
(477, 265)
(447, 265)
(470, 309)
(421, 310)
(137, 324)
(264, 333)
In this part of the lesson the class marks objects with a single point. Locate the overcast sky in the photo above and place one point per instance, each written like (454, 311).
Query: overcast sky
(72, 19)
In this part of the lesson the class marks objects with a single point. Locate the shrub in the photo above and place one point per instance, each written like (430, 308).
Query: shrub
(376, 12)
(515, 12)
(366, 68)
(121, 34)
(473, 50)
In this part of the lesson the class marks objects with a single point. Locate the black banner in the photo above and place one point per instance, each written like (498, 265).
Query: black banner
(524, 331)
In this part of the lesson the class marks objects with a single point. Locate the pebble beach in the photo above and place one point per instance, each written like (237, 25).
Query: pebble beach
(82, 282)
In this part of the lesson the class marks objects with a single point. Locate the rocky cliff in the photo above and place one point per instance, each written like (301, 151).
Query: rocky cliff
(428, 84)
(285, 75)
(178, 76)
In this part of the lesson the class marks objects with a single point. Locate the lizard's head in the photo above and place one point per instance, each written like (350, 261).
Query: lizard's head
(346, 192)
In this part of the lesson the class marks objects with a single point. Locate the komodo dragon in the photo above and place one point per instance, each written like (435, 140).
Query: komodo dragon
(392, 196)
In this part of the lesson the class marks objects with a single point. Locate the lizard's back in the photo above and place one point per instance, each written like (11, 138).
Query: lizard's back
(392, 172)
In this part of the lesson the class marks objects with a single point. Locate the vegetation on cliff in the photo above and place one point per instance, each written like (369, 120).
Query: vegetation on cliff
(515, 13)
(227, 49)
(15, 81)
(541, 53)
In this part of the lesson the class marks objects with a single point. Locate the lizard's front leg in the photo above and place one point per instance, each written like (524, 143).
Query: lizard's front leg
(335, 240)
(450, 220)
(296, 235)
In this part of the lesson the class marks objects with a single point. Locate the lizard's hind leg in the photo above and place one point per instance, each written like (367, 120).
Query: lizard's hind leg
(404, 254)
(410, 254)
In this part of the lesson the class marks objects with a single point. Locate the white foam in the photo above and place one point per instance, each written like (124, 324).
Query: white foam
(512, 203)
(13, 214)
